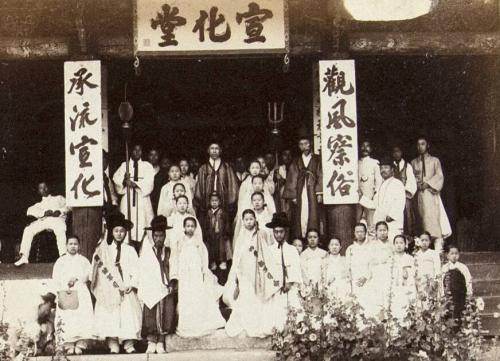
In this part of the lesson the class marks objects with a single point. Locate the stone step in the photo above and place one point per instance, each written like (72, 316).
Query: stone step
(491, 304)
(205, 355)
(27, 271)
(480, 257)
(484, 271)
(491, 324)
(218, 340)
(486, 287)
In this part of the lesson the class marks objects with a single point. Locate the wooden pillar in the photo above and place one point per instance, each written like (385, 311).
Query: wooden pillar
(87, 221)
(490, 134)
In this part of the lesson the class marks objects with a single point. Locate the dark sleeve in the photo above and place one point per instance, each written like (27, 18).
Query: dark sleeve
(199, 190)
(319, 175)
(232, 186)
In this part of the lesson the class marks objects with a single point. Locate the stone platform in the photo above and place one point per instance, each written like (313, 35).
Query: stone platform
(205, 355)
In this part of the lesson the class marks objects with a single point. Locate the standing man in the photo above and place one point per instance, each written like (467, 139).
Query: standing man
(404, 172)
(304, 188)
(284, 267)
(154, 159)
(430, 179)
(216, 176)
(369, 182)
(50, 214)
(389, 201)
(140, 182)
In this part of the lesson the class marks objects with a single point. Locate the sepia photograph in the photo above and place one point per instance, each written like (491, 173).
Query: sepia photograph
(249, 180)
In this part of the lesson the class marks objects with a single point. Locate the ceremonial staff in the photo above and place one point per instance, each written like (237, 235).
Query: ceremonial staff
(125, 112)
(275, 118)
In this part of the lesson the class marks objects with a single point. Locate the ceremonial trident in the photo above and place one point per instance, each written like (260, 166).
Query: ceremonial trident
(275, 118)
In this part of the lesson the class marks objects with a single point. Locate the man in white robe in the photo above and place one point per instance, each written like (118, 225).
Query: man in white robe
(50, 214)
(285, 268)
(430, 179)
(140, 181)
(389, 202)
(369, 182)
(404, 172)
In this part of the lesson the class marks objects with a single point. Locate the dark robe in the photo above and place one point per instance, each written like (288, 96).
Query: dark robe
(217, 235)
(161, 320)
(312, 177)
(161, 178)
(227, 188)
(410, 222)
(455, 289)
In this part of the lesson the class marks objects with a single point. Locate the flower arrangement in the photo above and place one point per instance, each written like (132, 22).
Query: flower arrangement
(339, 330)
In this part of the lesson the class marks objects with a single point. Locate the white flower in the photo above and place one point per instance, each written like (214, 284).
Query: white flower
(423, 355)
(313, 337)
(480, 304)
(496, 315)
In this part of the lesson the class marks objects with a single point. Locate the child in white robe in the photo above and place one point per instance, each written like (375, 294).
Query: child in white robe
(380, 253)
(246, 189)
(403, 279)
(166, 204)
(198, 291)
(334, 272)
(71, 274)
(186, 175)
(249, 272)
(428, 263)
(118, 313)
(357, 257)
(299, 244)
(176, 221)
(311, 259)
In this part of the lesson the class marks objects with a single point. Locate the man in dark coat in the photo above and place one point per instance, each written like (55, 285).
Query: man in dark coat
(304, 188)
(216, 176)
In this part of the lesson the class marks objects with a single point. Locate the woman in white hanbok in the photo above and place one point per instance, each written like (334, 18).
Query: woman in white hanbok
(403, 279)
(249, 277)
(380, 253)
(335, 273)
(199, 292)
(118, 312)
(71, 274)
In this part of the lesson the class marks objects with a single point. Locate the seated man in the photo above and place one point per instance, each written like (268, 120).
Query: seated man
(50, 214)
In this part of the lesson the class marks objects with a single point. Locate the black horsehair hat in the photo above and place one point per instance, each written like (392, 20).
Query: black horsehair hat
(280, 219)
(158, 224)
(117, 219)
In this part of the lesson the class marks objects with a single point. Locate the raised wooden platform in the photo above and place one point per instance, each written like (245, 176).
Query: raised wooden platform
(30, 271)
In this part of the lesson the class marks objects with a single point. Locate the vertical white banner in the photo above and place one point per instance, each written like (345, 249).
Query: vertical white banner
(339, 131)
(83, 133)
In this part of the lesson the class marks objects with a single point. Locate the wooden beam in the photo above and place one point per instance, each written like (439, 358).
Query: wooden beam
(34, 48)
(425, 43)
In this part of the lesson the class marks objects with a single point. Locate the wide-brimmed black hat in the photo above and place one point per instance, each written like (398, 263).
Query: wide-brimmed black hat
(386, 161)
(117, 219)
(280, 219)
(159, 223)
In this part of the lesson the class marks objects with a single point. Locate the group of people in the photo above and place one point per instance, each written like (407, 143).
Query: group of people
(175, 225)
